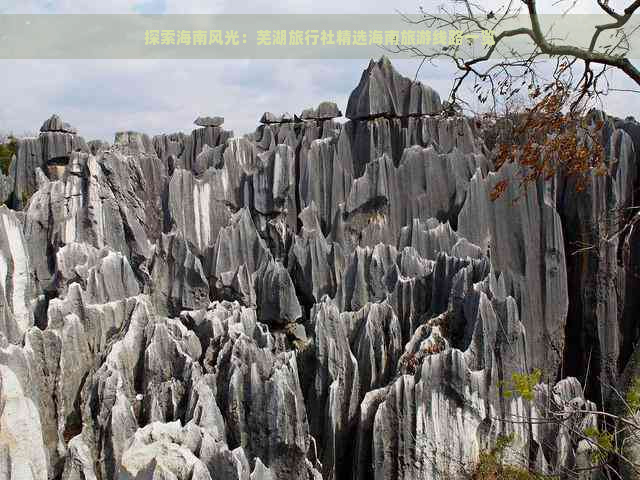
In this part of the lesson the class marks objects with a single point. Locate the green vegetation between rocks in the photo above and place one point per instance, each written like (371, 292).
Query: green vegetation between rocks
(7, 150)
(491, 466)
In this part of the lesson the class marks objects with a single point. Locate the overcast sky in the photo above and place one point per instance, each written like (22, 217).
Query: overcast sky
(100, 97)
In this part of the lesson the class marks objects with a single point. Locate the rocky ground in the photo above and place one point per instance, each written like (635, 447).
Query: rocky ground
(314, 300)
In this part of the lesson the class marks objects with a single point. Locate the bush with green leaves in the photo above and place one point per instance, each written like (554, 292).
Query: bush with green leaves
(522, 385)
(7, 150)
(602, 443)
(491, 465)
(633, 396)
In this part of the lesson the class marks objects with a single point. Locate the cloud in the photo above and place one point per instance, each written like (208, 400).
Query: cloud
(161, 96)
(100, 97)
(269, 6)
(155, 96)
(206, 6)
(68, 6)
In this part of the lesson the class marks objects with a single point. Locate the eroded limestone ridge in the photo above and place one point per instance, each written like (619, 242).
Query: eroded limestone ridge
(316, 299)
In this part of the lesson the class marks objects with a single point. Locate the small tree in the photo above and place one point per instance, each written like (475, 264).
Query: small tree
(8, 147)
(491, 465)
(550, 133)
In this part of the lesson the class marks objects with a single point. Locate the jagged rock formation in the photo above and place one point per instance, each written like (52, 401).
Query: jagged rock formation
(315, 299)
(49, 153)
(6, 188)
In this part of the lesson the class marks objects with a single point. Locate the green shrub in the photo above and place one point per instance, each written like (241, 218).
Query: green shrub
(522, 385)
(491, 465)
(7, 150)
(603, 442)
(633, 396)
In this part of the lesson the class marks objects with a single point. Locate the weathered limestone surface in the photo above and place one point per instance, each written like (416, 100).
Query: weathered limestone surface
(602, 284)
(178, 278)
(6, 187)
(527, 238)
(324, 111)
(55, 124)
(16, 284)
(382, 91)
(316, 299)
(55, 144)
(209, 121)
